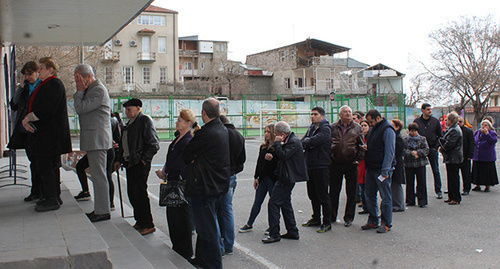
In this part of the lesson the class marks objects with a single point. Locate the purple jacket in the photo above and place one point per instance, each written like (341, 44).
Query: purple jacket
(485, 146)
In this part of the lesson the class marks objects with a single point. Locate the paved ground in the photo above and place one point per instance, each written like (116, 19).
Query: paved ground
(439, 236)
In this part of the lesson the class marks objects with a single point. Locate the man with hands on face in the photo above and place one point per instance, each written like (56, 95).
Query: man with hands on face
(93, 107)
(291, 168)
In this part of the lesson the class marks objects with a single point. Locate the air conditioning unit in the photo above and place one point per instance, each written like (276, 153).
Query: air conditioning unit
(118, 42)
(133, 43)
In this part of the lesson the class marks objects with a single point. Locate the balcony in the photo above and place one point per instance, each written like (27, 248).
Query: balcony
(110, 56)
(303, 90)
(189, 72)
(188, 53)
(146, 57)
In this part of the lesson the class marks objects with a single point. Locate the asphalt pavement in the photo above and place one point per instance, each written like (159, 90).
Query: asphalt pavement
(439, 236)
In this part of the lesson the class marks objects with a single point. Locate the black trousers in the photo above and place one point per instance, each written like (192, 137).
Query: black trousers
(317, 190)
(453, 181)
(419, 173)
(83, 164)
(47, 169)
(465, 169)
(338, 171)
(281, 198)
(137, 189)
(36, 186)
(179, 227)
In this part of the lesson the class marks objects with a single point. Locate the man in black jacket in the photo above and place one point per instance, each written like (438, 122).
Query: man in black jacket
(19, 104)
(138, 145)
(430, 127)
(208, 172)
(291, 168)
(225, 214)
(468, 150)
(316, 144)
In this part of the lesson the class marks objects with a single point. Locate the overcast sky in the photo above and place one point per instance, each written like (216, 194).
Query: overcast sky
(388, 32)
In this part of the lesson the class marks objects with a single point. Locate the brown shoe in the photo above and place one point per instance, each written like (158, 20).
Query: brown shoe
(448, 201)
(137, 227)
(146, 231)
(454, 203)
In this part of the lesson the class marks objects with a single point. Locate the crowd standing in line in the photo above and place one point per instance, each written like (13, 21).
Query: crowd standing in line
(370, 153)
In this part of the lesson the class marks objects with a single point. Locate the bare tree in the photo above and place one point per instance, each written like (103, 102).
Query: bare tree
(467, 61)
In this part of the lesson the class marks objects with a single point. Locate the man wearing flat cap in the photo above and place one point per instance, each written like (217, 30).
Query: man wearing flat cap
(138, 145)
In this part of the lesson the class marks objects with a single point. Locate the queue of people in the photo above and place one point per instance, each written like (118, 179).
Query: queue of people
(366, 149)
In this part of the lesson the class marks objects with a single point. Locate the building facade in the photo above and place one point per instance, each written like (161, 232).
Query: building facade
(143, 56)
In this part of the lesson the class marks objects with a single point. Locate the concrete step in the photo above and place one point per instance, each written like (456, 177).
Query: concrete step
(128, 248)
(56, 239)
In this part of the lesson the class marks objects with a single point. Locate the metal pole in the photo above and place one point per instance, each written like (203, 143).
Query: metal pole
(120, 192)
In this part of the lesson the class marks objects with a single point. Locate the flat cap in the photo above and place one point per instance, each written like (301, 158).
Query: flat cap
(133, 102)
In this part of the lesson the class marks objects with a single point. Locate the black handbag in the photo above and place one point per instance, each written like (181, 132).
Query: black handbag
(172, 193)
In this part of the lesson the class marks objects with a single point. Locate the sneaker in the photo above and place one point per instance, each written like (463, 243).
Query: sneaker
(369, 226)
(311, 222)
(112, 207)
(439, 196)
(324, 228)
(245, 229)
(266, 232)
(383, 229)
(228, 252)
(83, 196)
(363, 212)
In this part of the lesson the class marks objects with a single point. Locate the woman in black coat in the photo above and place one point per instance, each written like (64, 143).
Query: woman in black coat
(49, 136)
(398, 177)
(178, 218)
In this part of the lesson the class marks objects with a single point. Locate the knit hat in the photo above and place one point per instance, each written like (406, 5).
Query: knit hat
(489, 124)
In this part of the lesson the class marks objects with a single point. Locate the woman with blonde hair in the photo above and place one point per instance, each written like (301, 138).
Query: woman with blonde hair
(178, 219)
(264, 177)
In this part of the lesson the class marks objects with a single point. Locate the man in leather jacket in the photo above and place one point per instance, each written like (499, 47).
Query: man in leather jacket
(207, 179)
(291, 168)
(138, 145)
(346, 152)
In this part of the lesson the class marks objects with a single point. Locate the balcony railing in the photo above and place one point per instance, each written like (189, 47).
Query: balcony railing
(146, 57)
(189, 73)
(303, 90)
(110, 56)
(188, 53)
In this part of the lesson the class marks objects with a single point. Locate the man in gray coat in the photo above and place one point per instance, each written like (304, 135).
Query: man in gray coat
(92, 105)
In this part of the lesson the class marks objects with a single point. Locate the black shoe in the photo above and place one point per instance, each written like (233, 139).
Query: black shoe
(465, 193)
(112, 207)
(83, 196)
(41, 201)
(477, 188)
(422, 206)
(59, 200)
(487, 189)
(290, 236)
(398, 210)
(324, 228)
(311, 223)
(410, 204)
(98, 217)
(48, 205)
(32, 197)
(245, 229)
(363, 212)
(348, 223)
(439, 196)
(271, 240)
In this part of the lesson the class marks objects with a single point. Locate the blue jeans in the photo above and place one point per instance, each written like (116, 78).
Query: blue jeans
(266, 185)
(373, 185)
(434, 161)
(208, 254)
(225, 217)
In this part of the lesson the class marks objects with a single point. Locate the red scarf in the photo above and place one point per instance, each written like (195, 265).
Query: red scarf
(33, 95)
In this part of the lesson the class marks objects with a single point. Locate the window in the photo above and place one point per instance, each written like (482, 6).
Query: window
(299, 82)
(108, 75)
(151, 20)
(292, 54)
(287, 83)
(128, 74)
(282, 56)
(162, 44)
(146, 75)
(163, 75)
(189, 66)
(202, 65)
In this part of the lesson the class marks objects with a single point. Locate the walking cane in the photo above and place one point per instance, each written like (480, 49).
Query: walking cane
(120, 192)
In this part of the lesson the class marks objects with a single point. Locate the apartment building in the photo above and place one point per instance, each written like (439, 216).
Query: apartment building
(143, 56)
(320, 68)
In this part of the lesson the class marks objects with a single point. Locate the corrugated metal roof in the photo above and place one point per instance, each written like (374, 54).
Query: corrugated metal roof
(383, 67)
